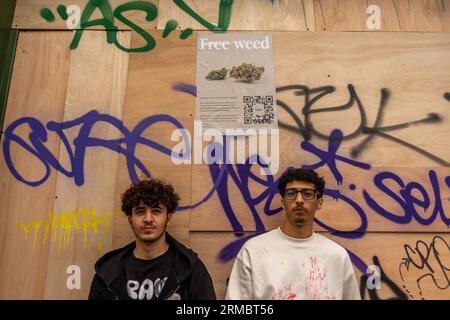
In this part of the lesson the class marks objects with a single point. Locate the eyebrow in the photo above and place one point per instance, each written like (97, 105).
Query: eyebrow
(144, 207)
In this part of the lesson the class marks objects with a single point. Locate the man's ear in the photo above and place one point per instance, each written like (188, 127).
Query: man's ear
(129, 219)
(169, 217)
(282, 203)
(319, 203)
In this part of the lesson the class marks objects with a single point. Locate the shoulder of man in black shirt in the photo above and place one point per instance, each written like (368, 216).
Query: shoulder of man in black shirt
(189, 279)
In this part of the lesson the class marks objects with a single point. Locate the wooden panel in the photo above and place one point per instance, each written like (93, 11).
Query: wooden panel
(423, 15)
(396, 15)
(399, 257)
(329, 60)
(28, 14)
(348, 213)
(97, 81)
(413, 68)
(38, 89)
(414, 94)
(207, 245)
(388, 14)
(288, 15)
(150, 94)
(403, 15)
(444, 15)
(308, 8)
(384, 250)
(331, 15)
(407, 65)
(235, 210)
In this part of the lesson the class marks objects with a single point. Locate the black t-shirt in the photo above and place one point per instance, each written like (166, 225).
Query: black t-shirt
(146, 278)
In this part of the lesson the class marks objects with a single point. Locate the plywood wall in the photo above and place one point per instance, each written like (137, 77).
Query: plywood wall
(60, 206)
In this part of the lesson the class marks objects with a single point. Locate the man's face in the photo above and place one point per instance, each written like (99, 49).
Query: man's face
(149, 223)
(300, 211)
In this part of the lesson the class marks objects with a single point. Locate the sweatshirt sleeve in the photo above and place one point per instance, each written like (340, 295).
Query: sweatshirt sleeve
(350, 288)
(201, 286)
(240, 284)
(97, 287)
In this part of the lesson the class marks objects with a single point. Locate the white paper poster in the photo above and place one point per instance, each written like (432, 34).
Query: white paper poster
(235, 81)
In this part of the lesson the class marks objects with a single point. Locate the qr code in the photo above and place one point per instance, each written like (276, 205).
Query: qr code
(258, 110)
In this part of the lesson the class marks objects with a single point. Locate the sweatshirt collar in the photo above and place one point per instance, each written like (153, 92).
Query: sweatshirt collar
(109, 267)
(295, 240)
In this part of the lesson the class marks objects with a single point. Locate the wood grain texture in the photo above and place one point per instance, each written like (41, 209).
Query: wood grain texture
(407, 60)
(27, 14)
(407, 65)
(288, 15)
(150, 94)
(423, 15)
(278, 15)
(341, 215)
(333, 15)
(38, 89)
(329, 60)
(95, 67)
(396, 15)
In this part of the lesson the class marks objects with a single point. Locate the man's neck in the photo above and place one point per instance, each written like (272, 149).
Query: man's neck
(298, 232)
(150, 250)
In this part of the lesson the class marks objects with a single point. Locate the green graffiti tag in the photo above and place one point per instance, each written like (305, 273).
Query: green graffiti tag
(186, 33)
(62, 11)
(109, 15)
(48, 15)
(170, 26)
(224, 15)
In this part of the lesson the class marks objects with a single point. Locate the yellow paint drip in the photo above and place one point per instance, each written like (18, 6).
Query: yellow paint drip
(62, 224)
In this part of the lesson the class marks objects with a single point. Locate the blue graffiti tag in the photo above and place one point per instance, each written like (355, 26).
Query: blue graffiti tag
(327, 158)
(125, 145)
(240, 175)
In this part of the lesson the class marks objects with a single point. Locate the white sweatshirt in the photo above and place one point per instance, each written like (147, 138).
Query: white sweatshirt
(275, 266)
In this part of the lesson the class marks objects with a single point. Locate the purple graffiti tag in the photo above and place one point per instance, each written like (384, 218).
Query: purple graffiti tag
(329, 157)
(358, 232)
(241, 175)
(447, 181)
(407, 200)
(186, 88)
(37, 136)
(231, 250)
(125, 145)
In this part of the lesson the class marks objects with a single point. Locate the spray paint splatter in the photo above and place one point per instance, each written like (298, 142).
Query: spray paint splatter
(284, 293)
(61, 225)
(315, 282)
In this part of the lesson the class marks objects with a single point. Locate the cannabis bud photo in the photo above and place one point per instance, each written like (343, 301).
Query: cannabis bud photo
(247, 72)
(217, 74)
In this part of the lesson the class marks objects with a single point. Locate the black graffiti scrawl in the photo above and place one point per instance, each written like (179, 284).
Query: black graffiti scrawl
(426, 266)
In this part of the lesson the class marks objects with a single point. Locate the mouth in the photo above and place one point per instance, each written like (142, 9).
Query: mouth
(148, 228)
(299, 210)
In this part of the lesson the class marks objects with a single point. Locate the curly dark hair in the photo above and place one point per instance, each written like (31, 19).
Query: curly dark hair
(151, 192)
(305, 175)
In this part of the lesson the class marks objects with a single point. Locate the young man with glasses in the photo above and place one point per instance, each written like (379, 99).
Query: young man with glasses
(292, 262)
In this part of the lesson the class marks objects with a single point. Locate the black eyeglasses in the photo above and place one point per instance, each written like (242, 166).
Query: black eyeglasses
(307, 194)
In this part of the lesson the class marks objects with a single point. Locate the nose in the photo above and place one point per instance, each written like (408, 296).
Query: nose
(299, 198)
(148, 216)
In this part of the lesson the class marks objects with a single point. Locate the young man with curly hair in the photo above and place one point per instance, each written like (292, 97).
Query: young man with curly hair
(155, 266)
(292, 262)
